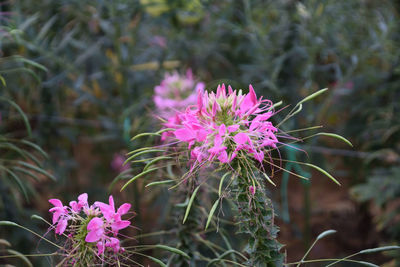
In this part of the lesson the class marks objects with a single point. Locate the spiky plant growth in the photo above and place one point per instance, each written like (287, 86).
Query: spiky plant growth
(232, 133)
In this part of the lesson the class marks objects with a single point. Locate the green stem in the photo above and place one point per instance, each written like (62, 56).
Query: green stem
(255, 215)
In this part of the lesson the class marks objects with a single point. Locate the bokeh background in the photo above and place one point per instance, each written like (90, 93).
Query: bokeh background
(83, 72)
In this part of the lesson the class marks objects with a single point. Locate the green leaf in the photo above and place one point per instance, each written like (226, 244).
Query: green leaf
(173, 250)
(32, 63)
(26, 121)
(19, 183)
(322, 171)
(221, 183)
(212, 211)
(231, 251)
(160, 182)
(325, 233)
(37, 217)
(154, 161)
(39, 170)
(380, 249)
(8, 223)
(190, 203)
(139, 150)
(144, 134)
(21, 256)
(3, 81)
(45, 28)
(26, 172)
(36, 147)
(367, 264)
(136, 177)
(159, 262)
(337, 137)
(5, 242)
(165, 130)
(313, 95)
(141, 153)
(268, 179)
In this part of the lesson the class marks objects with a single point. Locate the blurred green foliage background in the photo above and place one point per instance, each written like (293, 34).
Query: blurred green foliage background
(91, 66)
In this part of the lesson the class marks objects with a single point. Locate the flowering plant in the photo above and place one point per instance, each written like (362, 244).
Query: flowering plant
(175, 93)
(87, 225)
(233, 133)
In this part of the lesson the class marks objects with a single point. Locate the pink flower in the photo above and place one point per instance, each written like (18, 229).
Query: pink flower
(101, 223)
(223, 125)
(114, 244)
(82, 203)
(96, 230)
(60, 215)
(175, 93)
(112, 217)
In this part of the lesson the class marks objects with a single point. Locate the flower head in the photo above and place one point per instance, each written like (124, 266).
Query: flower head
(224, 124)
(83, 224)
(174, 94)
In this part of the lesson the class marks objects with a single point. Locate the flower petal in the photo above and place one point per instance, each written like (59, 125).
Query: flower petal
(124, 208)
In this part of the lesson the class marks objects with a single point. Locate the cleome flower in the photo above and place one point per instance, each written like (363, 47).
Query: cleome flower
(174, 94)
(86, 226)
(223, 125)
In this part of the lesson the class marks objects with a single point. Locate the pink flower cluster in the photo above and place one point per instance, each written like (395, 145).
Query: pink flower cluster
(174, 94)
(224, 124)
(102, 221)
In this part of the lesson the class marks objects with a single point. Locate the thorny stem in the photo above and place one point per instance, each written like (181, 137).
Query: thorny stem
(255, 215)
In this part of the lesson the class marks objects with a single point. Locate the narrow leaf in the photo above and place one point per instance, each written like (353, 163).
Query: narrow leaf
(325, 233)
(26, 121)
(5, 242)
(210, 215)
(136, 177)
(160, 182)
(142, 153)
(173, 250)
(374, 250)
(39, 170)
(322, 171)
(221, 183)
(313, 95)
(337, 137)
(8, 223)
(21, 256)
(154, 161)
(144, 134)
(159, 262)
(269, 179)
(190, 203)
